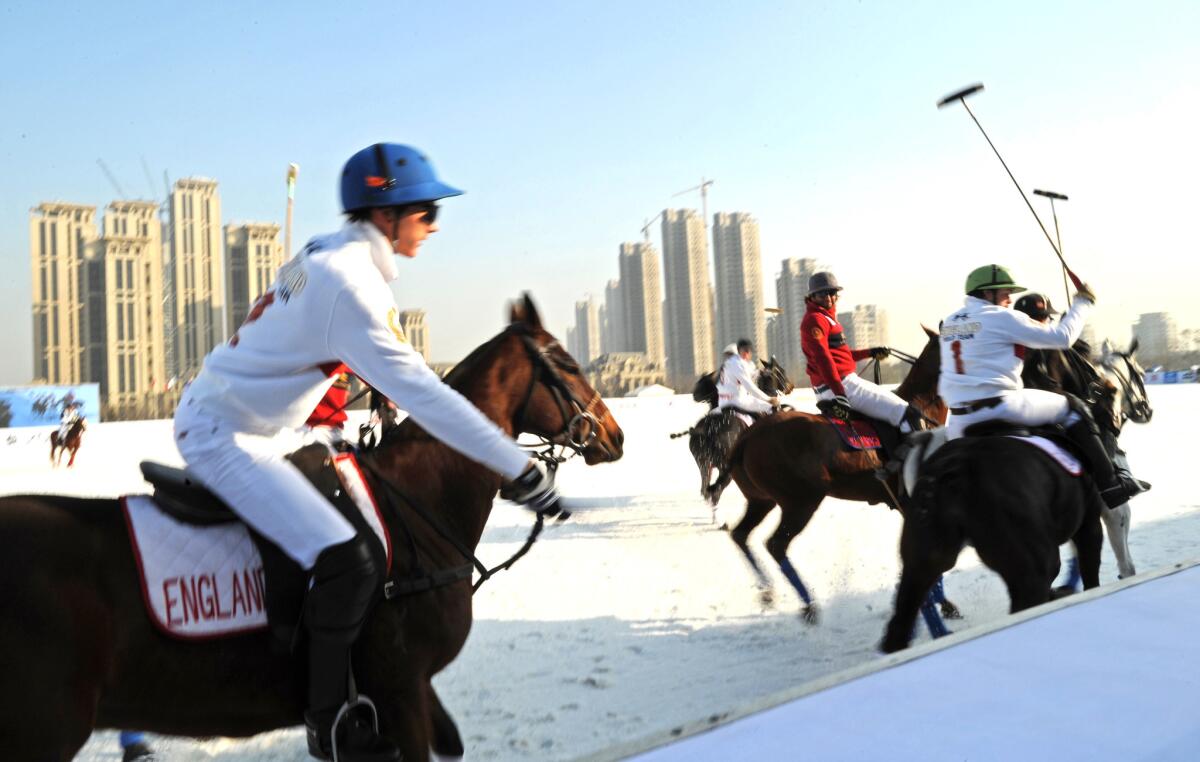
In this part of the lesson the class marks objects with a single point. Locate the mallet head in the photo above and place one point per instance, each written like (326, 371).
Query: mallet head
(1050, 194)
(962, 94)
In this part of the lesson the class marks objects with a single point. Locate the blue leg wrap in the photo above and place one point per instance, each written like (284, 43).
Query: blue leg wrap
(130, 737)
(790, 572)
(938, 593)
(1074, 578)
(933, 620)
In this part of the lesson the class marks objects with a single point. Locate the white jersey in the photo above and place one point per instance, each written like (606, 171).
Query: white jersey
(736, 387)
(330, 304)
(983, 347)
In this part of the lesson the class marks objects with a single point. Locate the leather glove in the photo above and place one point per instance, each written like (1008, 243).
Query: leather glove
(534, 489)
(1085, 291)
(840, 408)
(774, 403)
(880, 353)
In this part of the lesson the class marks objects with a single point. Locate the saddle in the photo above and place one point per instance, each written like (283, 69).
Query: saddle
(181, 497)
(861, 432)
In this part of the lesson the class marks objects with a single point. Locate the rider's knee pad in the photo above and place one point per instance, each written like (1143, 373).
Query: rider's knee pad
(345, 580)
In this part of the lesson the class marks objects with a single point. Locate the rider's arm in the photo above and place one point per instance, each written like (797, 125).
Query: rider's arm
(360, 335)
(1028, 332)
(745, 379)
(860, 354)
(815, 340)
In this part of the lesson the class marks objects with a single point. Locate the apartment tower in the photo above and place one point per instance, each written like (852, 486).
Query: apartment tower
(198, 289)
(688, 305)
(253, 254)
(641, 298)
(737, 265)
(60, 236)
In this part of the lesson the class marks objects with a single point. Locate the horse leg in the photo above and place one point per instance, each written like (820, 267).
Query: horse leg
(71, 462)
(1116, 524)
(405, 717)
(446, 741)
(756, 511)
(948, 608)
(1089, 540)
(795, 516)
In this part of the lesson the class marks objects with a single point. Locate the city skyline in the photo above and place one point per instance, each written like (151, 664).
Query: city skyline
(817, 119)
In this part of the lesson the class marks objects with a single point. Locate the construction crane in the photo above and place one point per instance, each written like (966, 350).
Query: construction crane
(649, 222)
(703, 188)
(112, 179)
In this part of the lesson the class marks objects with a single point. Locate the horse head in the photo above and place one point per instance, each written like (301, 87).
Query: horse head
(560, 405)
(1128, 376)
(920, 386)
(774, 379)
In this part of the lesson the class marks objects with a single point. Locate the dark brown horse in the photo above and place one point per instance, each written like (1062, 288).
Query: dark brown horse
(70, 443)
(795, 460)
(77, 650)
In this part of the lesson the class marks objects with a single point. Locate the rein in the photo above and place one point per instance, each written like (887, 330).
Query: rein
(580, 429)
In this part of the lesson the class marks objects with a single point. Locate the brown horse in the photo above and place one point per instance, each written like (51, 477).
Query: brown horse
(78, 651)
(795, 460)
(70, 443)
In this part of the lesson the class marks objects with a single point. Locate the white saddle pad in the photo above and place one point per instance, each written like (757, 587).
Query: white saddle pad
(203, 582)
(1069, 462)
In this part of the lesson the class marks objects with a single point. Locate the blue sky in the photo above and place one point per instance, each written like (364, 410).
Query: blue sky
(569, 124)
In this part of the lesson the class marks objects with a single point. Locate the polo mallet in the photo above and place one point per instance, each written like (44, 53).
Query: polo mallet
(961, 96)
(1060, 197)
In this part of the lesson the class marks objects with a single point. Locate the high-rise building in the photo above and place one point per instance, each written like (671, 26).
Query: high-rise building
(641, 299)
(791, 286)
(125, 286)
(865, 326)
(737, 267)
(417, 330)
(198, 289)
(1156, 335)
(587, 331)
(688, 315)
(612, 321)
(60, 236)
(253, 254)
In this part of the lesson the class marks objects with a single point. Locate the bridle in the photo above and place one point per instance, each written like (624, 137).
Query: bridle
(1133, 389)
(580, 424)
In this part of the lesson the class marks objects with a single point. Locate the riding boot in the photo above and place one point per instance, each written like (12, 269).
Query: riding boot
(1121, 463)
(1084, 434)
(345, 580)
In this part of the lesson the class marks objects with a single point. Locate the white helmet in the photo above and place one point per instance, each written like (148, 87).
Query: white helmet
(731, 349)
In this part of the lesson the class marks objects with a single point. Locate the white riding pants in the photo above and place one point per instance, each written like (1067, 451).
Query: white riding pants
(249, 472)
(869, 399)
(1027, 407)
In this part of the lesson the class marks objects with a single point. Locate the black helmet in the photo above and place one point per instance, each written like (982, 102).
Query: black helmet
(744, 344)
(1036, 306)
(822, 281)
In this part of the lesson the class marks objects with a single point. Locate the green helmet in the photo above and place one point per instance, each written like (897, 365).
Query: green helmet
(991, 276)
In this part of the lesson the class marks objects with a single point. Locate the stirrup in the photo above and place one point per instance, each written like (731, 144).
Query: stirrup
(314, 733)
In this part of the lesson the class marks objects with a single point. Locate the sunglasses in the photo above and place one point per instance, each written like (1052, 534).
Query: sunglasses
(429, 210)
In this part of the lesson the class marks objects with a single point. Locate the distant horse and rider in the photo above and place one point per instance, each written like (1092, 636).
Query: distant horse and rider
(87, 655)
(711, 439)
(67, 438)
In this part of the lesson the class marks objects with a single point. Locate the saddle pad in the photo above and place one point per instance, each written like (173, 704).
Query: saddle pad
(1069, 462)
(857, 434)
(201, 582)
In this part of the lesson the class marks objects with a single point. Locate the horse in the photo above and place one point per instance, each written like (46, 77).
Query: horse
(1014, 504)
(712, 438)
(70, 443)
(795, 460)
(78, 650)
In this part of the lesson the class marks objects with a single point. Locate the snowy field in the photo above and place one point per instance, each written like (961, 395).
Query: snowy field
(639, 614)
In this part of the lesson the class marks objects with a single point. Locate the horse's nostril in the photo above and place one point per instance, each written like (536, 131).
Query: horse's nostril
(620, 438)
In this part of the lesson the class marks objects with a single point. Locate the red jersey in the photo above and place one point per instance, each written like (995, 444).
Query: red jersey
(331, 410)
(826, 355)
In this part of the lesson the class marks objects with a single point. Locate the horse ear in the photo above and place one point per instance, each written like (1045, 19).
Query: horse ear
(532, 318)
(765, 364)
(516, 313)
(1133, 346)
(929, 331)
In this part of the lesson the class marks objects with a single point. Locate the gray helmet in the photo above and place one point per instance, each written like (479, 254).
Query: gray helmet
(822, 281)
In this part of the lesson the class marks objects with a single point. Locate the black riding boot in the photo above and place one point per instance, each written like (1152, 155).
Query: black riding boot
(1121, 464)
(1086, 436)
(345, 578)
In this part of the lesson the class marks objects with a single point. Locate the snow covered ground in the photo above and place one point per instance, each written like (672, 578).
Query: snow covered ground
(638, 614)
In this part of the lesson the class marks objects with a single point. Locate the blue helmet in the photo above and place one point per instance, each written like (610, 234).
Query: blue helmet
(390, 174)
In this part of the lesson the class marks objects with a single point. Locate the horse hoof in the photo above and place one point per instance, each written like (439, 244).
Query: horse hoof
(811, 614)
(1062, 591)
(950, 611)
(889, 646)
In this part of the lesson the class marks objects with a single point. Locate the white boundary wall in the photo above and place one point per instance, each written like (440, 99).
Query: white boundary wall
(1113, 673)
